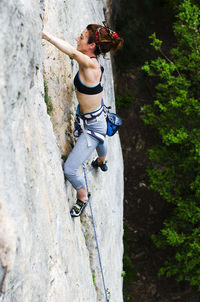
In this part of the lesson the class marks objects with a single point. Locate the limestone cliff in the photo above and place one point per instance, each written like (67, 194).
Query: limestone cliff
(45, 255)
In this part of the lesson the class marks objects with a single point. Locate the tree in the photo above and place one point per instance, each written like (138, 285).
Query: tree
(175, 169)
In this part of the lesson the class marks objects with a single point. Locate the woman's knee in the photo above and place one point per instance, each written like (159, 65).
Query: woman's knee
(69, 171)
(73, 176)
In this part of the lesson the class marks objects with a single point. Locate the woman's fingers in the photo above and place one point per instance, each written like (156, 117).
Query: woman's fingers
(44, 35)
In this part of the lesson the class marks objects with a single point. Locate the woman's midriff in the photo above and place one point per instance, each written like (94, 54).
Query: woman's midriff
(87, 102)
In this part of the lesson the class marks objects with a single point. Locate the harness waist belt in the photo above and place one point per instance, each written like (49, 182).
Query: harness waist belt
(81, 121)
(91, 115)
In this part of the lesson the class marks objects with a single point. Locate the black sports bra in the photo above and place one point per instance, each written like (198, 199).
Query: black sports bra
(88, 89)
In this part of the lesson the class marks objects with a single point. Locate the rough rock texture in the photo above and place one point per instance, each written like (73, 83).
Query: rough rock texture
(45, 256)
(110, 10)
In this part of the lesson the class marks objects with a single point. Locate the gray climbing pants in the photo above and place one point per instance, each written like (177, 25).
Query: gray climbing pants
(82, 151)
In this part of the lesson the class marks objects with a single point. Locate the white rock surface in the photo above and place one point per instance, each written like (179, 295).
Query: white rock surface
(45, 256)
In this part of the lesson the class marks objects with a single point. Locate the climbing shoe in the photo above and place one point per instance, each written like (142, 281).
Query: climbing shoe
(79, 207)
(103, 166)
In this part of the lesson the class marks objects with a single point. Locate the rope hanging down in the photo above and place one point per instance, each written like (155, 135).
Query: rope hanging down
(70, 141)
(99, 256)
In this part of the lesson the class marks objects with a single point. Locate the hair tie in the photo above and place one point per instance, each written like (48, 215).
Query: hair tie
(115, 34)
(97, 34)
(111, 32)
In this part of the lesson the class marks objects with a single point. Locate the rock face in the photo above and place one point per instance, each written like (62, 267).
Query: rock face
(111, 8)
(45, 255)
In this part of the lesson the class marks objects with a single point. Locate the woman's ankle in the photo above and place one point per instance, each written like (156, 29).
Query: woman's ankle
(85, 199)
(82, 194)
(101, 160)
(82, 198)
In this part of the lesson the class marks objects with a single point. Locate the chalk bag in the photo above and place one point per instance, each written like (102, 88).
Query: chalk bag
(114, 122)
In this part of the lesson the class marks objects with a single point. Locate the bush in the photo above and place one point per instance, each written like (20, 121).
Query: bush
(47, 99)
(124, 100)
(175, 169)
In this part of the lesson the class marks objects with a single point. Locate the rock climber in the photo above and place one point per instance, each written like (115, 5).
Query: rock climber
(93, 41)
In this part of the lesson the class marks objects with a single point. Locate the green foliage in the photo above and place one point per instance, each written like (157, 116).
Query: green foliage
(128, 298)
(129, 272)
(108, 294)
(47, 99)
(123, 274)
(174, 4)
(94, 280)
(129, 269)
(175, 170)
(124, 100)
(156, 42)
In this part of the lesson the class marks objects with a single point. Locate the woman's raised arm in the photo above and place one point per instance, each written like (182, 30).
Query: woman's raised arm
(68, 49)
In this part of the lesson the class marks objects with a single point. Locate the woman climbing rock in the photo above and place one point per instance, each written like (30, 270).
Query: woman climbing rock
(93, 41)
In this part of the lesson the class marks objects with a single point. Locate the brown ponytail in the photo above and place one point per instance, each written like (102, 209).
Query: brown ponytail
(105, 39)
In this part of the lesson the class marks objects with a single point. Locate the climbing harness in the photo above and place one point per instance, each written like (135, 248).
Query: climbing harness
(95, 234)
(82, 120)
(113, 120)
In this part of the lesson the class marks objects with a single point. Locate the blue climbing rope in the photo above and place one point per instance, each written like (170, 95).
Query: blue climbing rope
(70, 141)
(95, 234)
